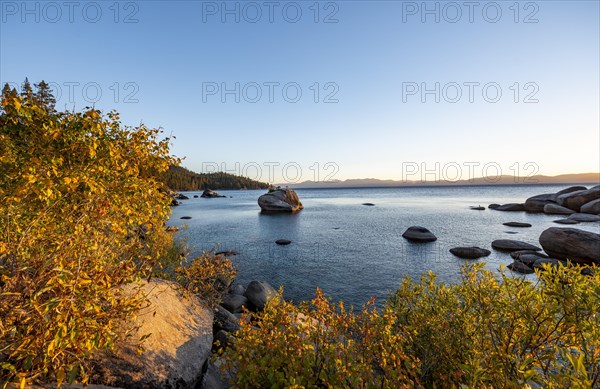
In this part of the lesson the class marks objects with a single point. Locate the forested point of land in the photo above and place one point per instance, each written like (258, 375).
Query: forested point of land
(181, 179)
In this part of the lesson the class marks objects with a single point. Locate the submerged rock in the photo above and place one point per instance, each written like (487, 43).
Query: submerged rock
(518, 254)
(280, 200)
(520, 267)
(584, 217)
(512, 207)
(516, 224)
(227, 253)
(470, 252)
(513, 245)
(565, 221)
(539, 264)
(529, 259)
(419, 234)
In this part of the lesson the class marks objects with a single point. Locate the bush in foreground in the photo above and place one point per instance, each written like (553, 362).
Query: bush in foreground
(81, 212)
(481, 332)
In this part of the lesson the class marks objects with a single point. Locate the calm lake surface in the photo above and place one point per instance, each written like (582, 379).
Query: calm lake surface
(352, 251)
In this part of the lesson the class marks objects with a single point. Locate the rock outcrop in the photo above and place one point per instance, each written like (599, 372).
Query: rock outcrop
(280, 200)
(210, 194)
(179, 328)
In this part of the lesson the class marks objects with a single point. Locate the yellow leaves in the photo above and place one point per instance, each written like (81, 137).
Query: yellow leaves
(17, 103)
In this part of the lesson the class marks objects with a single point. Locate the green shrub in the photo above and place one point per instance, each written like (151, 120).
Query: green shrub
(481, 332)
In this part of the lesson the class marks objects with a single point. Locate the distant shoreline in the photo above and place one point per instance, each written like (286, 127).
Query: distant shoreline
(442, 185)
(410, 186)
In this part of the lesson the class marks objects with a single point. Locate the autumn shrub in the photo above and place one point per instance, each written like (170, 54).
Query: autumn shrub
(486, 331)
(81, 212)
(207, 276)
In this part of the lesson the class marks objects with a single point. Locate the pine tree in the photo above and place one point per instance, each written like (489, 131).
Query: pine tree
(44, 96)
(6, 91)
(27, 92)
(6, 94)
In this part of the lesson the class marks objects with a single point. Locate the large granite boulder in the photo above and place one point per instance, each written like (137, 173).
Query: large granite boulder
(568, 190)
(419, 234)
(575, 200)
(179, 334)
(593, 207)
(280, 200)
(536, 204)
(571, 243)
(258, 293)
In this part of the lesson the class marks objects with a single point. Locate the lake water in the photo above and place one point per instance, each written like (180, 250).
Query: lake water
(352, 251)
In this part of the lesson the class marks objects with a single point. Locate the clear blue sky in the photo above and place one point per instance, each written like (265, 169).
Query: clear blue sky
(173, 53)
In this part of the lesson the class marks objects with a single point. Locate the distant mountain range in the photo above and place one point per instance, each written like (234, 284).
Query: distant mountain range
(582, 178)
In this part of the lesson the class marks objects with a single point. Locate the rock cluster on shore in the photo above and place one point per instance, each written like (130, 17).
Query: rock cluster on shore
(572, 200)
(577, 204)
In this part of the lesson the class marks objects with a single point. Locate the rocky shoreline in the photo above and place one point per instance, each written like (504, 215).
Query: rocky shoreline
(186, 333)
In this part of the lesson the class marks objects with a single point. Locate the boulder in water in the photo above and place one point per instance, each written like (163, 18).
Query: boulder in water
(210, 194)
(512, 207)
(575, 200)
(516, 224)
(513, 245)
(593, 207)
(572, 244)
(419, 234)
(470, 252)
(555, 209)
(280, 200)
